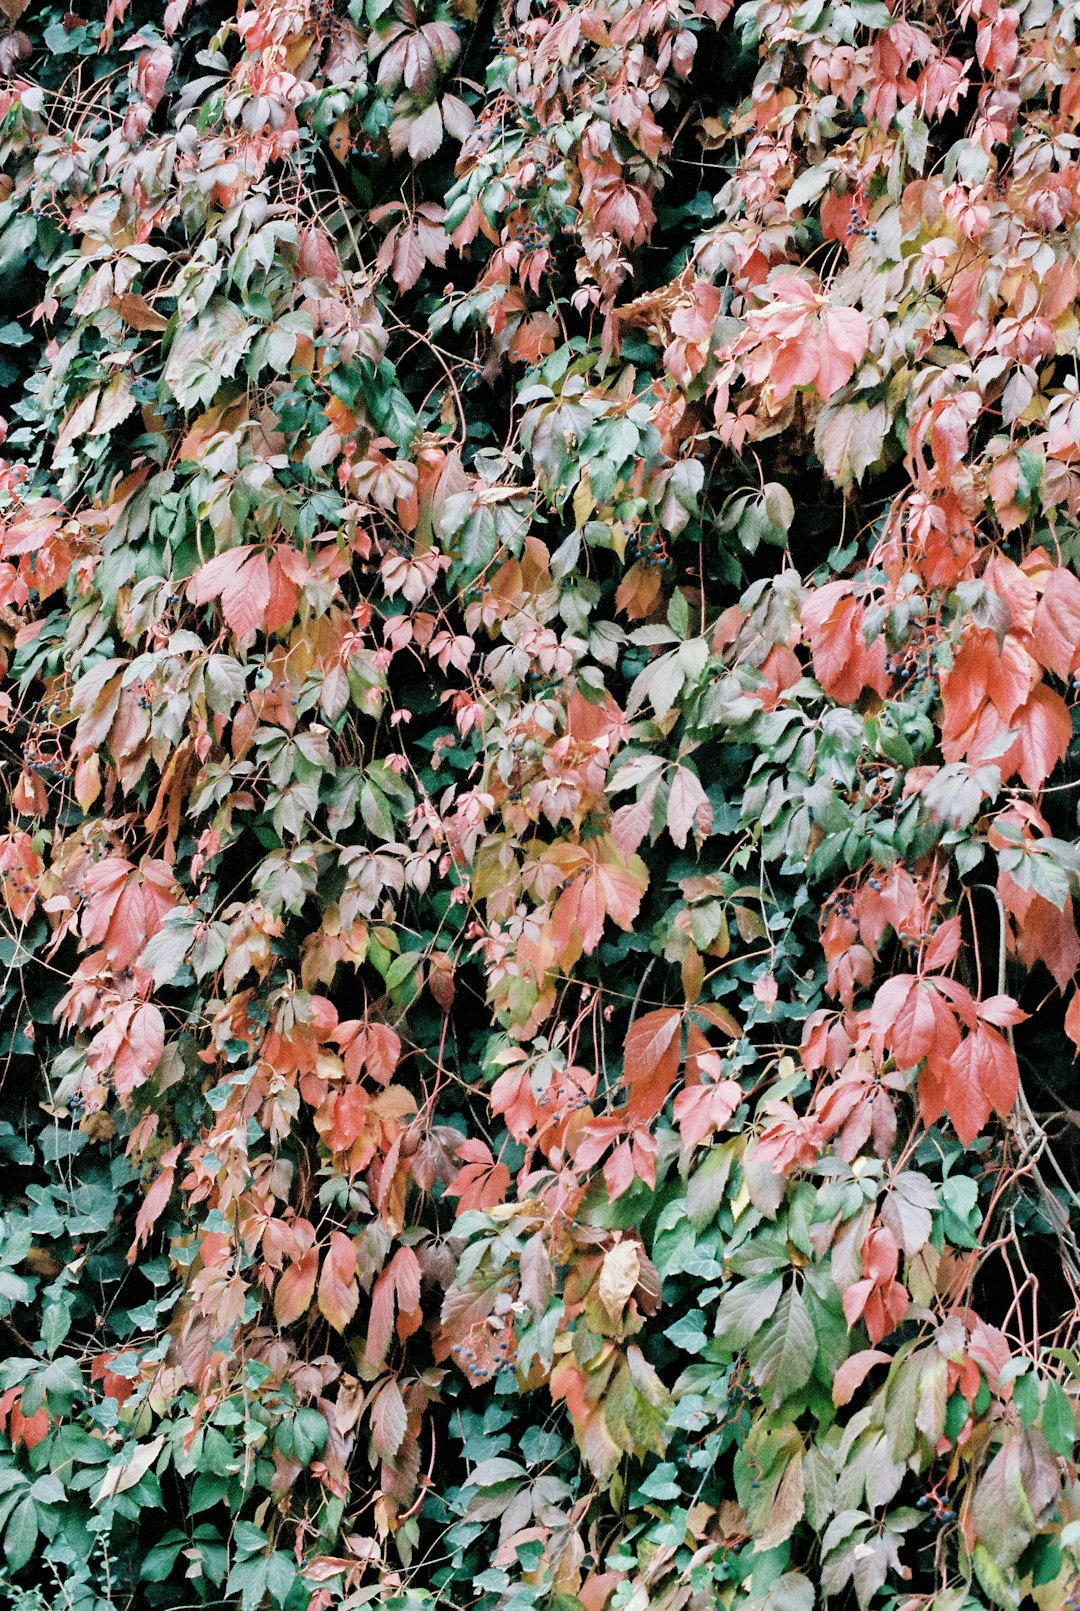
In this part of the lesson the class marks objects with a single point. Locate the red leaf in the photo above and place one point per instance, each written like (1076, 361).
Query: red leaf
(984, 1076)
(1001, 1010)
(153, 1204)
(630, 824)
(244, 600)
(651, 1059)
(844, 663)
(944, 946)
(409, 260)
(152, 72)
(891, 1001)
(139, 1053)
(350, 1116)
(1072, 1021)
(210, 579)
(619, 1170)
(982, 671)
(854, 1371)
(607, 888)
(282, 598)
(481, 1182)
(620, 894)
(241, 579)
(704, 1108)
(369, 1047)
(842, 342)
(400, 1283)
(389, 1421)
(1045, 934)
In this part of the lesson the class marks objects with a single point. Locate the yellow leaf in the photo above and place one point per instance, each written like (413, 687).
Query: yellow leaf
(584, 502)
(619, 1276)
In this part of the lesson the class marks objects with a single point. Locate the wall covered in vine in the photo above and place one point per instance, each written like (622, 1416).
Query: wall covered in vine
(540, 631)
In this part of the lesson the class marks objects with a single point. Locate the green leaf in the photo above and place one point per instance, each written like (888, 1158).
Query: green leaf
(1026, 1398)
(280, 1576)
(1058, 1419)
(782, 1356)
(744, 1310)
(871, 13)
(661, 1483)
(159, 1561)
(48, 1490)
(375, 810)
(56, 1321)
(688, 1332)
(999, 1584)
(21, 1534)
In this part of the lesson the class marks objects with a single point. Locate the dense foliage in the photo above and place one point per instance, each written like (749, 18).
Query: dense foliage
(540, 608)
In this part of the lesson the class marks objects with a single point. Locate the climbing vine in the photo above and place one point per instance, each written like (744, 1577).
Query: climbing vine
(540, 633)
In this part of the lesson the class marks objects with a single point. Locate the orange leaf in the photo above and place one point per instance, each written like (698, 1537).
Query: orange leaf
(1056, 630)
(296, 1288)
(1045, 734)
(338, 1291)
(399, 1283)
(153, 1204)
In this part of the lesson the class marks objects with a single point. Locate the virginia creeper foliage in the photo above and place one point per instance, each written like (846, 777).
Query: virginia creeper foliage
(540, 630)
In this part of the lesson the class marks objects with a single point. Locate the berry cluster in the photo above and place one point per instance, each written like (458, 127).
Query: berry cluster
(942, 1511)
(910, 670)
(532, 235)
(475, 1362)
(45, 757)
(650, 550)
(842, 902)
(325, 18)
(857, 227)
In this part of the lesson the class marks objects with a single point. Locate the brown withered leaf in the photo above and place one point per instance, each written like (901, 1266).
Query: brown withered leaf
(136, 311)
